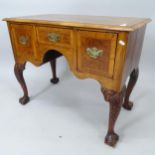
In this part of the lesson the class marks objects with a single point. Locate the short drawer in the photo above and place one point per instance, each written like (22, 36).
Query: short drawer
(96, 52)
(54, 36)
(23, 39)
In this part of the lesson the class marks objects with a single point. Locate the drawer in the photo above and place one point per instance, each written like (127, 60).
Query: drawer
(23, 40)
(96, 53)
(55, 36)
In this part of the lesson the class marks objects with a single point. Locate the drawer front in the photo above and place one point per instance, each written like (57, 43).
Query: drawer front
(23, 40)
(55, 36)
(96, 53)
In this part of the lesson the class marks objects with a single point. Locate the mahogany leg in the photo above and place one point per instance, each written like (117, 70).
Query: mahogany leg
(55, 79)
(132, 81)
(18, 69)
(115, 99)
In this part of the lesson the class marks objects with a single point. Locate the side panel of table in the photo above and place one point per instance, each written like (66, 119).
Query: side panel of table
(134, 49)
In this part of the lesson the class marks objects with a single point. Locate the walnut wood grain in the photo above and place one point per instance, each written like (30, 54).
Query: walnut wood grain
(102, 65)
(65, 36)
(23, 52)
(133, 52)
(98, 22)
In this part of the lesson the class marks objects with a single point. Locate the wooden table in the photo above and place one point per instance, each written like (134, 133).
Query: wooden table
(106, 49)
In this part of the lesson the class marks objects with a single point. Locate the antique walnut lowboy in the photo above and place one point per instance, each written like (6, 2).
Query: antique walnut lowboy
(107, 49)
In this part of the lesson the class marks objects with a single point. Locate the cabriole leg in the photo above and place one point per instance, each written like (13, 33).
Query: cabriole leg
(18, 69)
(115, 100)
(132, 81)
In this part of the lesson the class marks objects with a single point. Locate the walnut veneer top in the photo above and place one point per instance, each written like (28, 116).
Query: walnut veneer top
(99, 22)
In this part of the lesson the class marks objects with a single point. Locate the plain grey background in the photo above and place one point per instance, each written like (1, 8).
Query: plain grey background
(71, 118)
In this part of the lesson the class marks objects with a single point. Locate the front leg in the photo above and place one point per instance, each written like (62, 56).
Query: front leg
(132, 81)
(18, 69)
(54, 80)
(115, 99)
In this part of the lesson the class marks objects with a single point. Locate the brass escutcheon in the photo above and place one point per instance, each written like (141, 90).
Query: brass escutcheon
(23, 40)
(94, 52)
(53, 37)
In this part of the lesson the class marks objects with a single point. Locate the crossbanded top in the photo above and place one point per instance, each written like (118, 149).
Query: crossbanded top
(84, 21)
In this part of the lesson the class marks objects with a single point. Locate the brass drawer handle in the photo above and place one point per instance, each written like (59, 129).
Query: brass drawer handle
(53, 37)
(94, 52)
(23, 40)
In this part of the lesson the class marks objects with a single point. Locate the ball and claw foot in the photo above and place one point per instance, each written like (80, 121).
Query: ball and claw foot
(111, 139)
(128, 106)
(24, 100)
(54, 80)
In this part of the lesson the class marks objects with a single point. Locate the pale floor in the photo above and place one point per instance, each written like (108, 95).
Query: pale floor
(71, 118)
